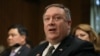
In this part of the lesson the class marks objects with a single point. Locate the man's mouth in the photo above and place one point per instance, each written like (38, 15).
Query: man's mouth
(52, 30)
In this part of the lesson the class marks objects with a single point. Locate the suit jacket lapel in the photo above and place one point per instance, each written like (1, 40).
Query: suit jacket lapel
(63, 46)
(20, 50)
(41, 49)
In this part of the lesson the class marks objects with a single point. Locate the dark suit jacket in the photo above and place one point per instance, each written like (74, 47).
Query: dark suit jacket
(70, 46)
(24, 51)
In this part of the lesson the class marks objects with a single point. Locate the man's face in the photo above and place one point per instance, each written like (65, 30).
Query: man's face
(55, 23)
(14, 37)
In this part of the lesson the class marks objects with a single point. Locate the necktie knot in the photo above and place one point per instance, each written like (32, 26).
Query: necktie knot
(49, 53)
(51, 48)
(12, 53)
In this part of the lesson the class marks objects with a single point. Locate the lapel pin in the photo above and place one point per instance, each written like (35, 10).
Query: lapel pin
(60, 49)
(18, 52)
(37, 54)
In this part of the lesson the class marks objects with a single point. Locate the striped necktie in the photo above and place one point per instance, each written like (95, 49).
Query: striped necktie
(49, 53)
(12, 53)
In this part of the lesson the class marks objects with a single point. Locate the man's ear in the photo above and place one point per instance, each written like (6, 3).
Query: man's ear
(23, 37)
(69, 22)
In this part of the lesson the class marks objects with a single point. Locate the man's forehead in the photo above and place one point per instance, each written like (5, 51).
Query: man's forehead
(54, 10)
(13, 31)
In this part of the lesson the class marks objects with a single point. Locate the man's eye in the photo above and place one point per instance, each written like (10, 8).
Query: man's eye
(46, 18)
(13, 35)
(58, 18)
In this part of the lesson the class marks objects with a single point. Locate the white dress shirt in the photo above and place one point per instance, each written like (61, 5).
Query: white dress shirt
(13, 52)
(46, 49)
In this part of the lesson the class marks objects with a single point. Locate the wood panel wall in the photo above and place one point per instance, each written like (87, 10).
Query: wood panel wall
(29, 13)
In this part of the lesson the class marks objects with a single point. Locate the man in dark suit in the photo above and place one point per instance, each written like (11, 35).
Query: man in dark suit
(57, 25)
(17, 35)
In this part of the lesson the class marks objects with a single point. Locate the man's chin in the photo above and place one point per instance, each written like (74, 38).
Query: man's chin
(52, 37)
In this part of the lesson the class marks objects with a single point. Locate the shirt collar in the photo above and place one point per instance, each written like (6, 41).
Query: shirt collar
(55, 46)
(17, 49)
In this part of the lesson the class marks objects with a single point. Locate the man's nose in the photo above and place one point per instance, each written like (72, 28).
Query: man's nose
(9, 37)
(51, 21)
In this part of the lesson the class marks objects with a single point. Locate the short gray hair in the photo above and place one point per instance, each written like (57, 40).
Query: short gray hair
(67, 11)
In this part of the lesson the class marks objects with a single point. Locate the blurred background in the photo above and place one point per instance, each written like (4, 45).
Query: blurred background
(29, 13)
